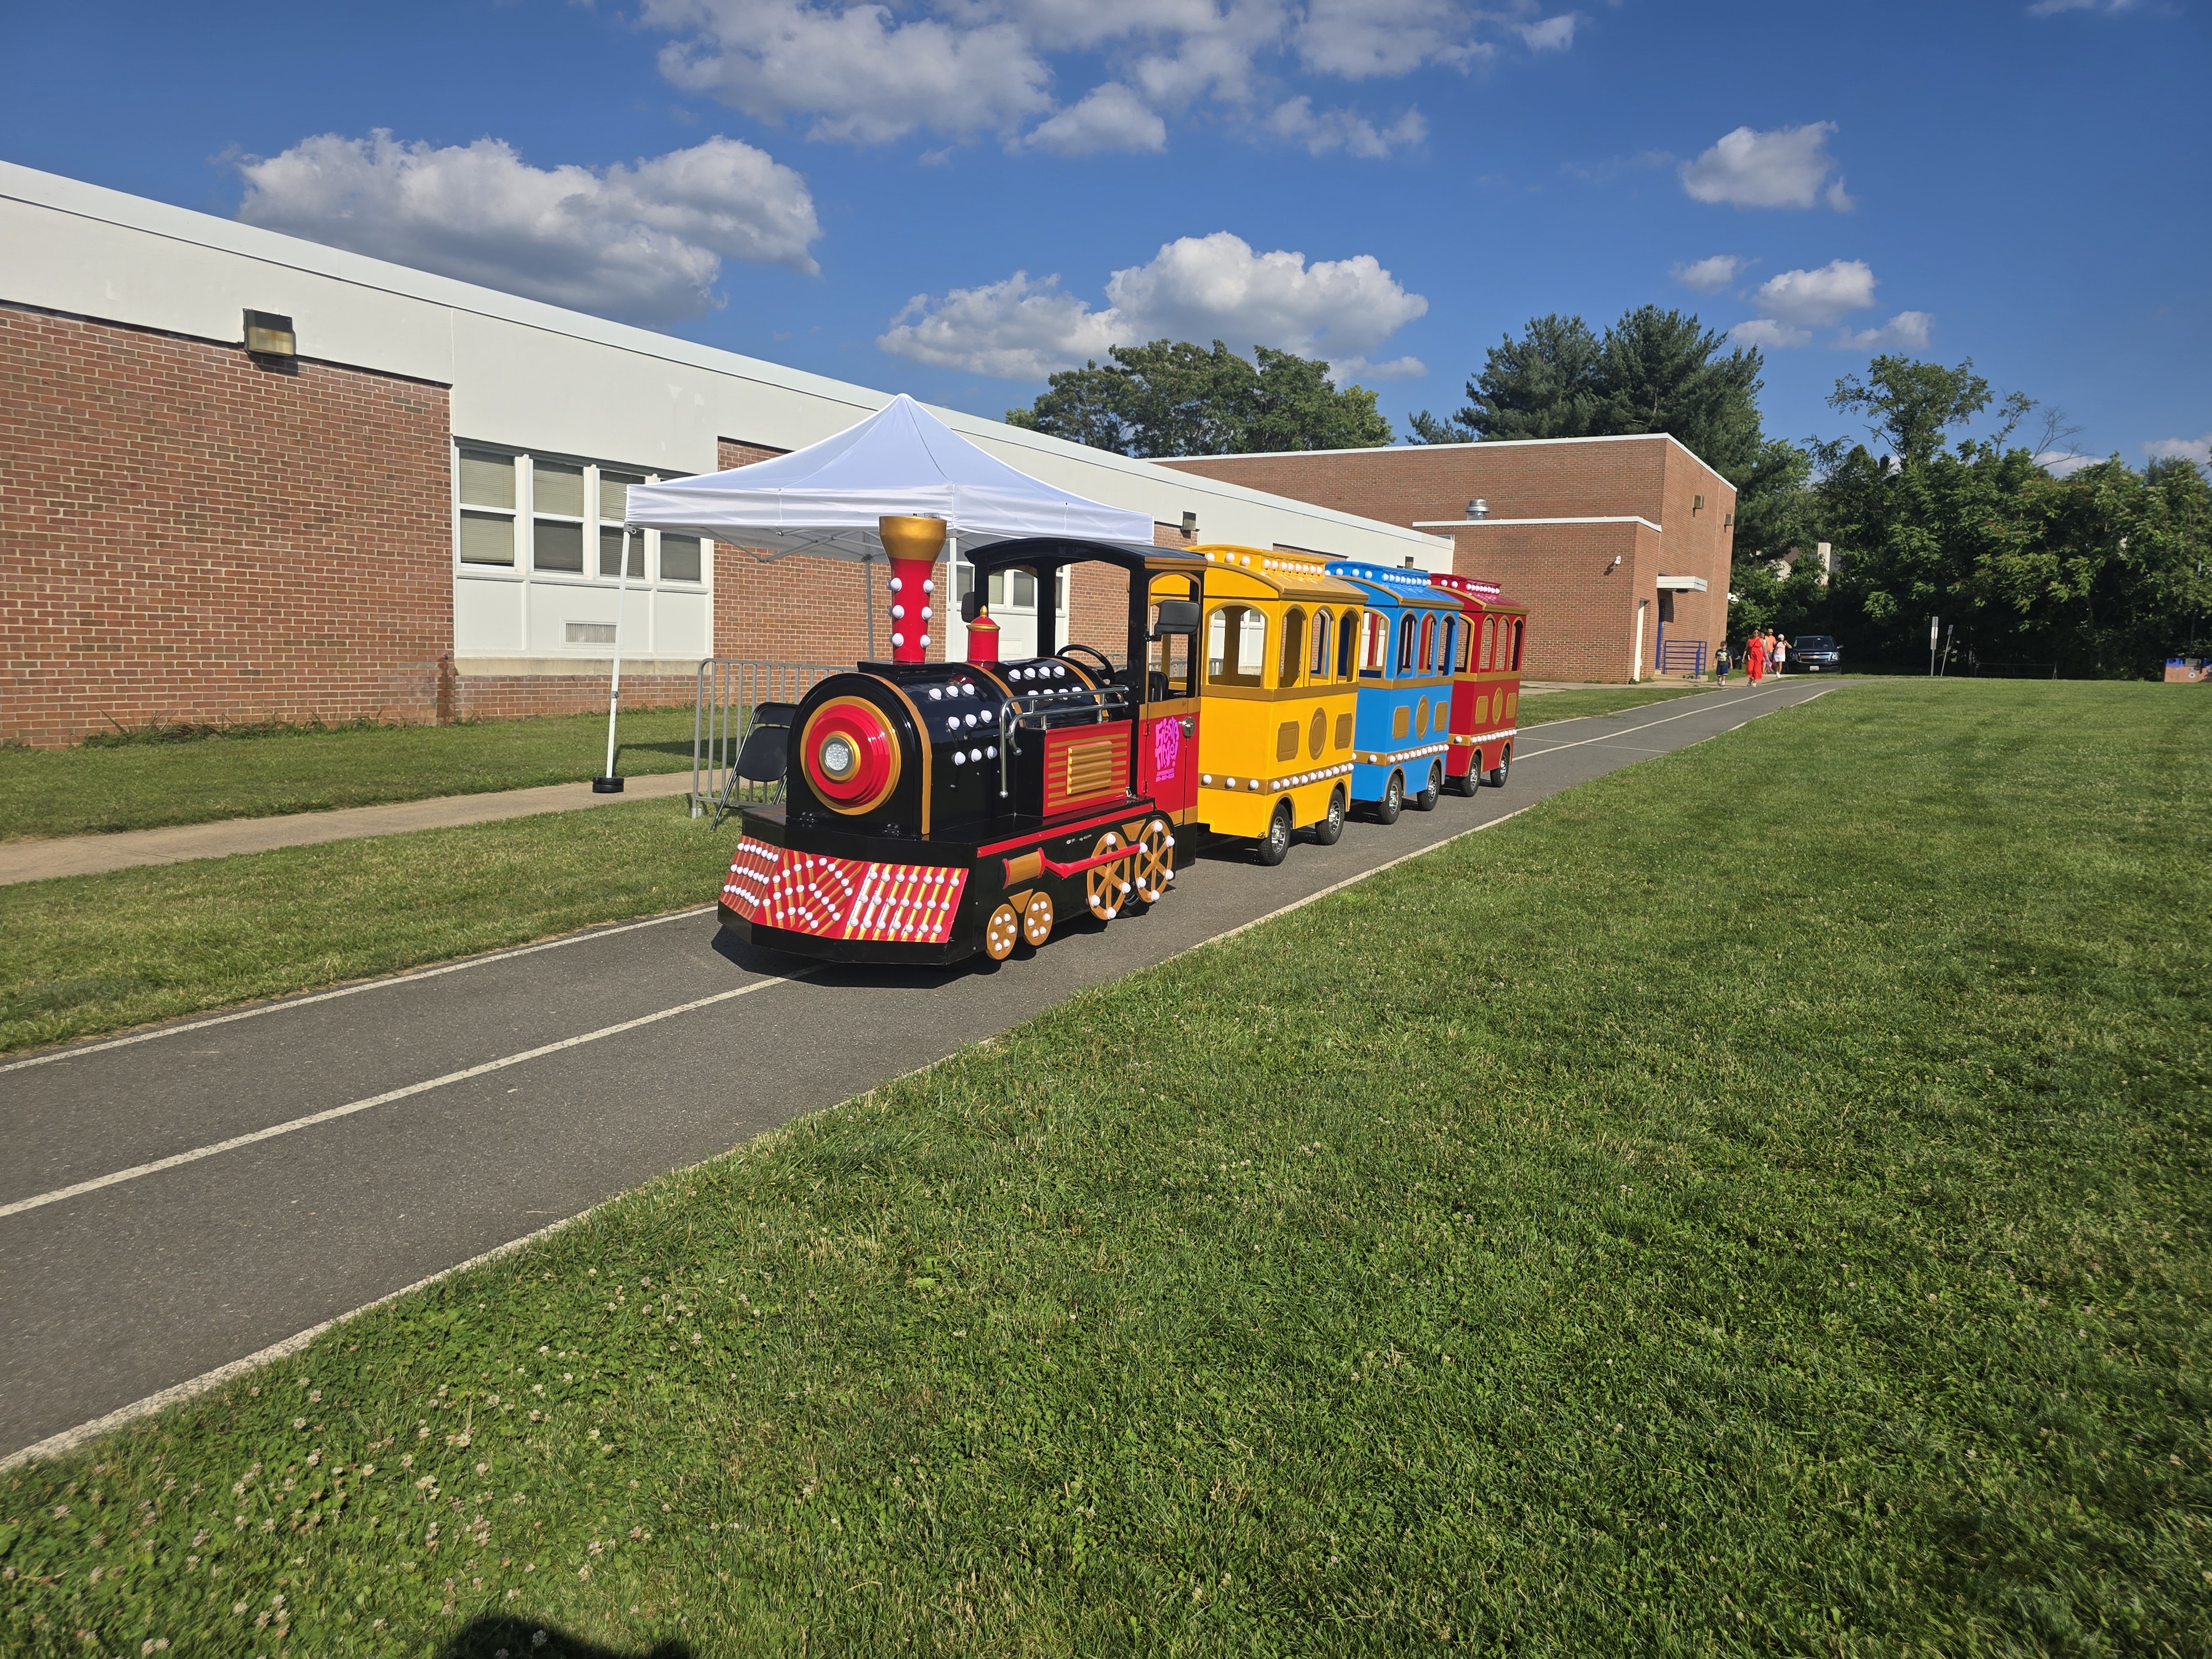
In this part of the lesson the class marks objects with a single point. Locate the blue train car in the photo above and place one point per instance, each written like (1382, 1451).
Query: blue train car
(1402, 732)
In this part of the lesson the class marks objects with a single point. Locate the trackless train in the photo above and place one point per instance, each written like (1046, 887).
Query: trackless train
(932, 810)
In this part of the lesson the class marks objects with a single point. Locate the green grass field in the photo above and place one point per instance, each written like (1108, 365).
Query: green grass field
(1755, 1203)
(97, 953)
(142, 785)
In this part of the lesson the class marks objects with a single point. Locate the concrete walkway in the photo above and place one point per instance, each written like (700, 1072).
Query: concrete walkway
(87, 855)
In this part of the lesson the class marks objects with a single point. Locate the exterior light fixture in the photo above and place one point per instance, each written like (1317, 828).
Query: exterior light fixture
(1697, 503)
(1190, 527)
(268, 335)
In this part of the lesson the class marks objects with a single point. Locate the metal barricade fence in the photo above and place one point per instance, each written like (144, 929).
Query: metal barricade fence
(1682, 657)
(730, 689)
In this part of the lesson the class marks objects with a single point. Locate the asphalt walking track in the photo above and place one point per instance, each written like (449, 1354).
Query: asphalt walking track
(184, 1198)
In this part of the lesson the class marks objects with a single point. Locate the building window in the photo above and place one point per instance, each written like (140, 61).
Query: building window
(538, 549)
(557, 528)
(486, 490)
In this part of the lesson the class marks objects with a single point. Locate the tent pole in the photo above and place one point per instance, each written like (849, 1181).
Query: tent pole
(608, 783)
(868, 597)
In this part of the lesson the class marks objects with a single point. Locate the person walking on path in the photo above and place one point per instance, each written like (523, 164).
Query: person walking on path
(1780, 652)
(1720, 664)
(1754, 660)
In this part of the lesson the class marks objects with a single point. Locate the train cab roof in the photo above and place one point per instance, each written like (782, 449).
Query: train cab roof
(1475, 595)
(1391, 587)
(1258, 572)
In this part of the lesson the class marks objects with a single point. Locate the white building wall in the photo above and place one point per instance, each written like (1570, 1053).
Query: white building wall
(533, 377)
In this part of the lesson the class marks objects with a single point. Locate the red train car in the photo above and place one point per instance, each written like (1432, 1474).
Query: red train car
(1485, 684)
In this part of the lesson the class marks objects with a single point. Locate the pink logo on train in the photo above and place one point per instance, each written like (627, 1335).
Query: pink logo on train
(1167, 747)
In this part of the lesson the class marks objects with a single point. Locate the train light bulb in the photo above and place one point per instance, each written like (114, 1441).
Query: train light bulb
(897, 640)
(897, 612)
(929, 587)
(925, 641)
(925, 613)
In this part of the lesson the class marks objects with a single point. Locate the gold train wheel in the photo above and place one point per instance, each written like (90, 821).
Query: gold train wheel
(1153, 865)
(1002, 932)
(1108, 885)
(1036, 919)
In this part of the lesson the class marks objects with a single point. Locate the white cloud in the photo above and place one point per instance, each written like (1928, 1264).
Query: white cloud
(1361, 40)
(866, 72)
(1786, 167)
(1766, 331)
(2065, 463)
(644, 242)
(1198, 287)
(1709, 275)
(1814, 297)
(1110, 117)
(1908, 329)
(2198, 450)
(2052, 7)
(1297, 121)
(1552, 34)
(864, 76)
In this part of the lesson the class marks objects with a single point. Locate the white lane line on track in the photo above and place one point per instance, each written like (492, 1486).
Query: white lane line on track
(69, 1439)
(1627, 731)
(78, 1050)
(390, 1095)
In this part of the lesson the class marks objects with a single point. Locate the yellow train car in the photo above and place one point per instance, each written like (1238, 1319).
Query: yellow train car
(1277, 691)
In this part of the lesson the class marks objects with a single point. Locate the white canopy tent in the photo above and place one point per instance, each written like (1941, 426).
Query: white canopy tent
(826, 499)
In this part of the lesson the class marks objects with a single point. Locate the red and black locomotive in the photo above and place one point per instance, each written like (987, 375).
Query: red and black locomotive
(935, 809)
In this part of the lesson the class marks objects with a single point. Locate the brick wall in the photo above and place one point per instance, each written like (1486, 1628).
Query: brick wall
(1582, 610)
(190, 536)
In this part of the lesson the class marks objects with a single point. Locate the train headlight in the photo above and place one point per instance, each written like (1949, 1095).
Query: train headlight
(851, 755)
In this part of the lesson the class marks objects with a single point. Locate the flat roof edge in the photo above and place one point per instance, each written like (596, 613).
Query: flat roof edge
(1483, 443)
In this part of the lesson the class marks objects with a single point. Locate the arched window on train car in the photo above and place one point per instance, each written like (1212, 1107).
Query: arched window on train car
(1322, 638)
(1347, 644)
(1294, 648)
(1428, 658)
(1516, 648)
(1408, 641)
(1467, 637)
(1490, 646)
(1444, 645)
(1236, 646)
(1374, 661)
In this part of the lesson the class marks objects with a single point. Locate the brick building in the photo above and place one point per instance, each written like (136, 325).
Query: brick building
(414, 514)
(1620, 547)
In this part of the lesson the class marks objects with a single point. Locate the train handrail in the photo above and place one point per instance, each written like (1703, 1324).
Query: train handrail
(1096, 705)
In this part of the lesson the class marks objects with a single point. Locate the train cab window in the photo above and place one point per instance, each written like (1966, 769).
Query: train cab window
(1323, 623)
(1375, 660)
(1516, 648)
(1171, 669)
(1347, 644)
(1408, 641)
(1294, 647)
(1236, 646)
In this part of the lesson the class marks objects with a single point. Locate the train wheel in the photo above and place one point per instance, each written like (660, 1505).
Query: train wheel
(1036, 919)
(1276, 843)
(1393, 801)
(1469, 780)
(1427, 799)
(1109, 886)
(1153, 867)
(1330, 829)
(1497, 775)
(1002, 932)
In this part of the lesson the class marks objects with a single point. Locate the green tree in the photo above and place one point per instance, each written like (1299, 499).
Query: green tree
(1776, 507)
(1174, 397)
(1653, 371)
(1911, 404)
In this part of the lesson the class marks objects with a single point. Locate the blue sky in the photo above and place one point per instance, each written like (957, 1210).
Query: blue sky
(953, 197)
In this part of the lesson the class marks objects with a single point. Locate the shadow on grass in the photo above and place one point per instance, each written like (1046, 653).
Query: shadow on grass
(501, 1637)
(680, 749)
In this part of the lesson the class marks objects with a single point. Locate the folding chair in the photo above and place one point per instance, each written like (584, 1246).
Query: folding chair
(761, 758)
